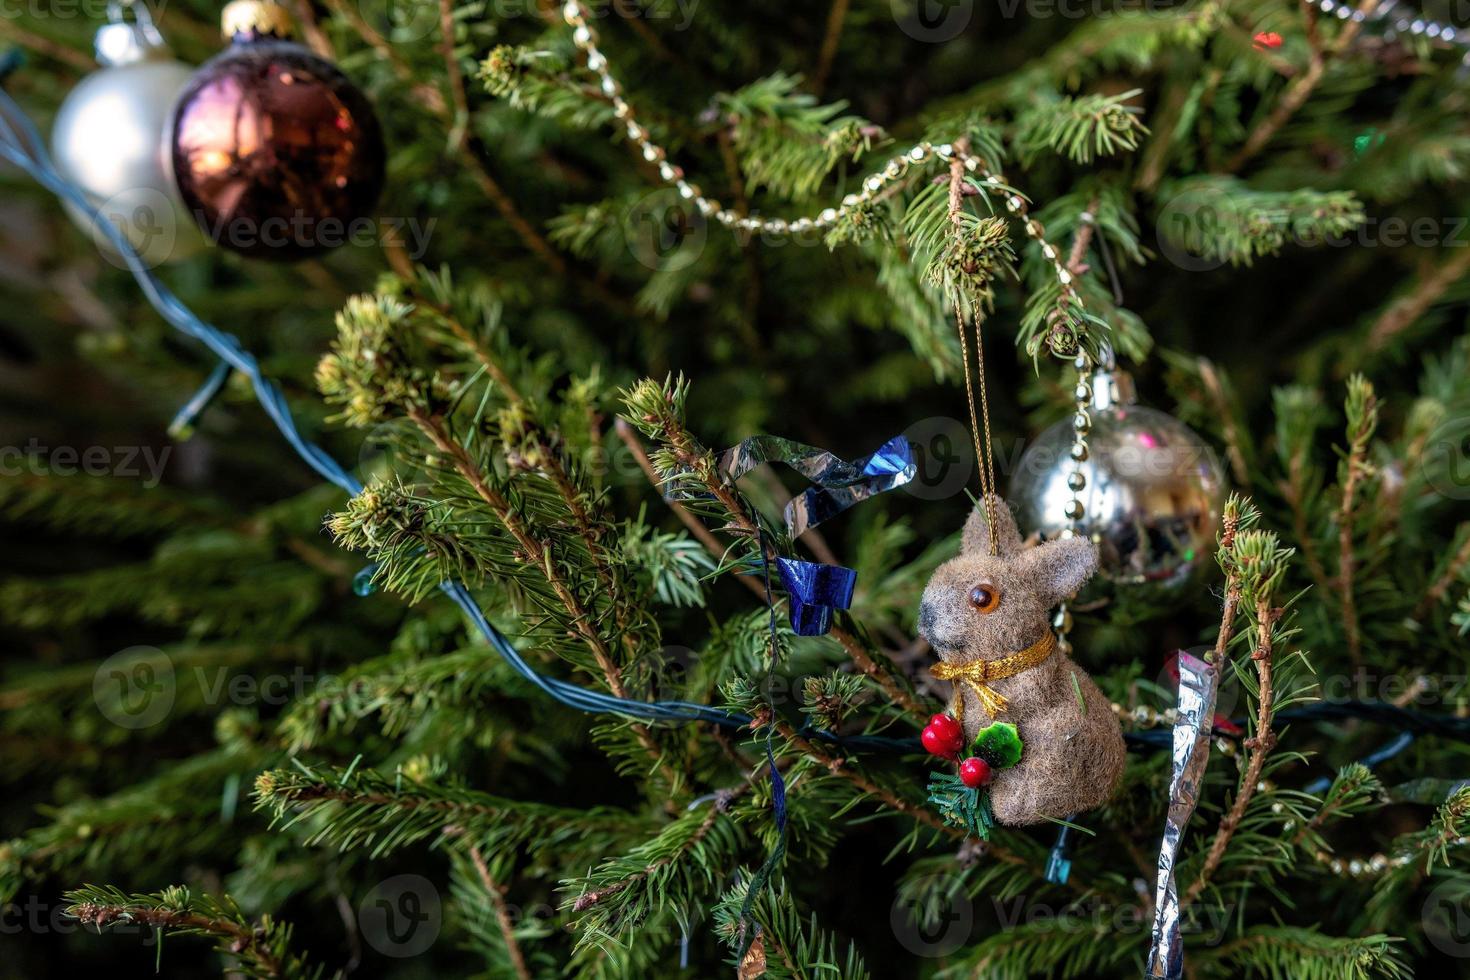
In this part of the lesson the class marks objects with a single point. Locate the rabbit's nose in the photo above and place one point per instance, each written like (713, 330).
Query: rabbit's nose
(926, 619)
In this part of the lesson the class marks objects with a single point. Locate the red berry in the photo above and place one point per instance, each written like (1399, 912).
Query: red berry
(974, 772)
(1267, 40)
(948, 727)
(936, 743)
(943, 736)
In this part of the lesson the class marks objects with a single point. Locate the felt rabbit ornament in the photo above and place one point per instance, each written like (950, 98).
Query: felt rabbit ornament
(987, 615)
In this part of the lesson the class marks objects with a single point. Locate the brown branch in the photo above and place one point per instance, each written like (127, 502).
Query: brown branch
(696, 457)
(1216, 392)
(502, 914)
(837, 766)
(551, 465)
(1301, 87)
(55, 50)
(457, 93)
(695, 525)
(855, 649)
(1259, 745)
(316, 38)
(811, 537)
(1428, 288)
(1441, 586)
(1083, 239)
(243, 940)
(1346, 559)
(836, 18)
(957, 182)
(865, 662)
(535, 552)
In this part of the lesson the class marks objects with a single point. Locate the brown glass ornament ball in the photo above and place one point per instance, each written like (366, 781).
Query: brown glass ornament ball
(276, 153)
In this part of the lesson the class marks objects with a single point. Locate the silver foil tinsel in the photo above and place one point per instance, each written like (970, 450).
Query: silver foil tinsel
(1191, 752)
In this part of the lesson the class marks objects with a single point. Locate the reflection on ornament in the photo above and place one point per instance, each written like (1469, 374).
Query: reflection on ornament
(278, 155)
(110, 139)
(1148, 490)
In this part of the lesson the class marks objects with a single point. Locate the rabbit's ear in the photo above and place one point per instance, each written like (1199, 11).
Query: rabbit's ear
(976, 539)
(1060, 568)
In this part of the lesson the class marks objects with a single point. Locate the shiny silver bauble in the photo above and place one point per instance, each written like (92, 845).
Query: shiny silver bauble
(1151, 489)
(111, 140)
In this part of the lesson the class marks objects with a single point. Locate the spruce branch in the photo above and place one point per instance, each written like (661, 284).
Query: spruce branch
(1080, 128)
(683, 859)
(1051, 946)
(472, 152)
(658, 411)
(786, 141)
(1352, 792)
(1298, 411)
(260, 950)
(361, 808)
(176, 812)
(785, 947)
(1288, 953)
(540, 555)
(1301, 87)
(537, 553)
(1254, 565)
(1362, 422)
(530, 445)
(1222, 218)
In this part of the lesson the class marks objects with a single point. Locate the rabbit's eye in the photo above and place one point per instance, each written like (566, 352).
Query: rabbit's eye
(985, 597)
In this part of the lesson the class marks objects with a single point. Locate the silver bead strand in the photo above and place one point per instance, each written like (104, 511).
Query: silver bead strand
(873, 187)
(1074, 509)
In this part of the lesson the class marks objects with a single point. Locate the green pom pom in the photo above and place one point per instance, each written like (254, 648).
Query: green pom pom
(999, 744)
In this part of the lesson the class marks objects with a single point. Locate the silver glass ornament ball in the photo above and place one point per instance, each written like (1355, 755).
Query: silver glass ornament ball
(110, 139)
(1147, 489)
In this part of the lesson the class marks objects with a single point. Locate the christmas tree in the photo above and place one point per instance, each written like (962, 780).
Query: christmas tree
(542, 681)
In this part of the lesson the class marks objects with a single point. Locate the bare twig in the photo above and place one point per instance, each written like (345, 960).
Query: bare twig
(1216, 391)
(44, 45)
(1077, 259)
(1290, 489)
(457, 94)
(1441, 586)
(836, 18)
(1428, 288)
(502, 914)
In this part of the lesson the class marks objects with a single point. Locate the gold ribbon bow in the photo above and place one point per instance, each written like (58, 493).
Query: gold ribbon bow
(977, 674)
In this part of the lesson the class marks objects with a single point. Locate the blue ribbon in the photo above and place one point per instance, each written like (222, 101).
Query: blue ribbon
(815, 591)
